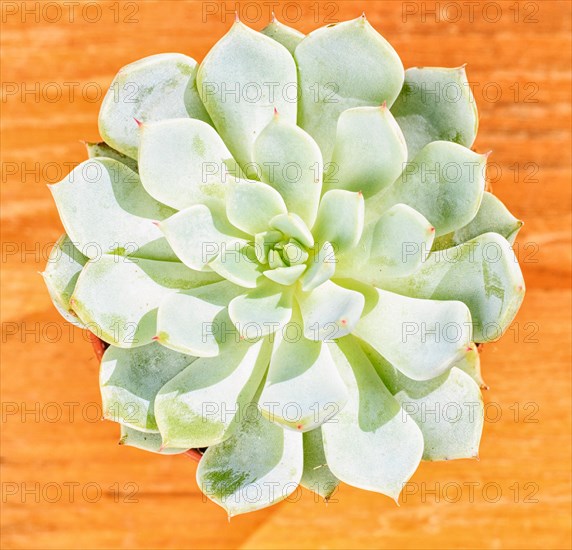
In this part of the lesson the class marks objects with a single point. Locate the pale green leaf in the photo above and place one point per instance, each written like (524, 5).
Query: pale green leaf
(117, 298)
(368, 444)
(329, 311)
(101, 149)
(483, 273)
(317, 476)
(204, 404)
(259, 466)
(196, 321)
(369, 151)
(129, 380)
(152, 443)
(421, 338)
(341, 66)
(62, 270)
(183, 162)
(285, 35)
(303, 388)
(243, 78)
(290, 161)
(436, 104)
(321, 267)
(153, 88)
(104, 209)
(493, 216)
(340, 219)
(445, 182)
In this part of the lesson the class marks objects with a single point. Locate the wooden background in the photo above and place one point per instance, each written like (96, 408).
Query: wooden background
(49, 371)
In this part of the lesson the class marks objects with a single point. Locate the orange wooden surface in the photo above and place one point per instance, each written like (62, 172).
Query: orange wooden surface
(50, 371)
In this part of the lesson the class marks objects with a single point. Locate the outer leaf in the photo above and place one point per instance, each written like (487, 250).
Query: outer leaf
(367, 444)
(259, 466)
(101, 149)
(145, 441)
(369, 152)
(483, 273)
(105, 209)
(445, 182)
(241, 81)
(196, 321)
(372, 74)
(199, 234)
(394, 246)
(303, 388)
(154, 88)
(262, 310)
(183, 162)
(289, 160)
(340, 219)
(317, 476)
(421, 338)
(492, 216)
(117, 298)
(62, 270)
(329, 311)
(130, 379)
(448, 409)
(436, 104)
(203, 405)
(287, 36)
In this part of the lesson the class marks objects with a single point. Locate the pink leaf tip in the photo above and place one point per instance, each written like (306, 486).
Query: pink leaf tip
(139, 123)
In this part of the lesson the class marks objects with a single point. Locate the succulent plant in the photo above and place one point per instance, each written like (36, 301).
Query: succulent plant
(291, 252)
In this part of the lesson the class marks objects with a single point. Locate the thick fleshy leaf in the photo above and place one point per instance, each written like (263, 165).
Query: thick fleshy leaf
(394, 246)
(204, 404)
(152, 443)
(445, 182)
(368, 445)
(373, 73)
(293, 226)
(303, 388)
(154, 88)
(329, 311)
(250, 205)
(289, 160)
(62, 270)
(241, 81)
(129, 380)
(258, 466)
(340, 219)
(196, 321)
(317, 476)
(183, 162)
(421, 338)
(493, 216)
(262, 310)
(117, 298)
(285, 275)
(198, 235)
(105, 209)
(238, 265)
(436, 104)
(101, 149)
(369, 152)
(285, 35)
(321, 267)
(483, 273)
(448, 409)
(471, 364)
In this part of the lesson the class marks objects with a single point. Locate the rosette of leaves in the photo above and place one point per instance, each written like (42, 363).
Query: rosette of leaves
(291, 252)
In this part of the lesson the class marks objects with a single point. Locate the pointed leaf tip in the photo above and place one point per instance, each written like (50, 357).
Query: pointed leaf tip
(138, 122)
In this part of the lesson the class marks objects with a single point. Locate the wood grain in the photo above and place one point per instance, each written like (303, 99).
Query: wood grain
(527, 450)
